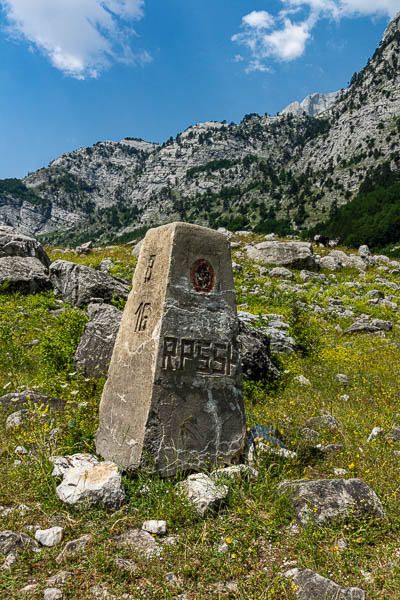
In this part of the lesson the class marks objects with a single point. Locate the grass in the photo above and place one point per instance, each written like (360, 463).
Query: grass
(37, 347)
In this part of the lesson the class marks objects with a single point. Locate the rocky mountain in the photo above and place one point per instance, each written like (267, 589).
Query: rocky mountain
(268, 173)
(312, 105)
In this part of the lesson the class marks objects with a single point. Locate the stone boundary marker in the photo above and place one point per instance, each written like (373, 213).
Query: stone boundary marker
(173, 398)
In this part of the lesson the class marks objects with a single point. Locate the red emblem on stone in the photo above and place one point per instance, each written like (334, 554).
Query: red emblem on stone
(202, 276)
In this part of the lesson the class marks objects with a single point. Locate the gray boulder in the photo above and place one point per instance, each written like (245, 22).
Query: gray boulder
(77, 284)
(31, 397)
(96, 485)
(311, 586)
(373, 326)
(322, 500)
(23, 274)
(295, 255)
(255, 353)
(276, 330)
(12, 542)
(13, 243)
(202, 492)
(96, 346)
(142, 541)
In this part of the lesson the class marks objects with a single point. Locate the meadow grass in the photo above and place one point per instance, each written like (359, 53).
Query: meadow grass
(37, 347)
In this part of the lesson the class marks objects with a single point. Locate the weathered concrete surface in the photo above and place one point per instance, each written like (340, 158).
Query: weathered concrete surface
(173, 399)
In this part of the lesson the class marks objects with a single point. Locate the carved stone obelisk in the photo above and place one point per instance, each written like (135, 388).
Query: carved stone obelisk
(173, 398)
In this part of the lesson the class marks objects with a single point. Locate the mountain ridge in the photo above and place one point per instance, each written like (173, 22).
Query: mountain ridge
(261, 173)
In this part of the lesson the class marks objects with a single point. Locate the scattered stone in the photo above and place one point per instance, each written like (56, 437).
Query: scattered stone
(171, 579)
(90, 486)
(12, 542)
(339, 472)
(372, 326)
(49, 537)
(235, 472)
(324, 422)
(310, 435)
(33, 398)
(323, 500)
(126, 564)
(73, 547)
(302, 380)
(21, 450)
(30, 588)
(276, 330)
(375, 433)
(341, 545)
(393, 434)
(105, 265)
(84, 248)
(60, 578)
(202, 492)
(177, 339)
(311, 276)
(345, 397)
(222, 547)
(311, 586)
(63, 463)
(95, 349)
(330, 449)
(342, 378)
(365, 253)
(17, 419)
(296, 255)
(155, 527)
(141, 541)
(77, 284)
(281, 273)
(52, 594)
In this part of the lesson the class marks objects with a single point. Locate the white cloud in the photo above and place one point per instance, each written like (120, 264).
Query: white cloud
(288, 38)
(80, 37)
(259, 19)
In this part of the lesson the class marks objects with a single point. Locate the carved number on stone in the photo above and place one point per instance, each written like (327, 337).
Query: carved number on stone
(142, 314)
(200, 356)
(149, 269)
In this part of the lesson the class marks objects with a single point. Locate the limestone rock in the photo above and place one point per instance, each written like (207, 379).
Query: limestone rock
(77, 284)
(156, 527)
(12, 542)
(23, 274)
(322, 500)
(60, 578)
(141, 541)
(63, 463)
(91, 486)
(324, 422)
(202, 492)
(281, 273)
(369, 326)
(235, 472)
(296, 255)
(173, 398)
(255, 353)
(311, 586)
(73, 547)
(49, 537)
(14, 243)
(276, 330)
(16, 419)
(31, 397)
(52, 594)
(96, 346)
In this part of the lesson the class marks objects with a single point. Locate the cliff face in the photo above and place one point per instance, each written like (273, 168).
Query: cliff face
(292, 167)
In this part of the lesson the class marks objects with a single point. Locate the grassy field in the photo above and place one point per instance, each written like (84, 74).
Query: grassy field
(37, 347)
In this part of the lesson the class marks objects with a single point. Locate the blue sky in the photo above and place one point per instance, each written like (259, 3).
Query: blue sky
(74, 72)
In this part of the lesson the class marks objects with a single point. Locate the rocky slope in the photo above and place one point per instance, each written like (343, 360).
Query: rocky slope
(273, 173)
(312, 105)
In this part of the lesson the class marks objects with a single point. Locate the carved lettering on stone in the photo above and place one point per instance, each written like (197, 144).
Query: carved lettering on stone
(173, 398)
